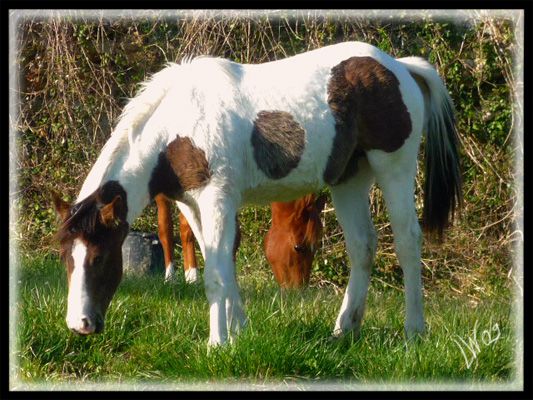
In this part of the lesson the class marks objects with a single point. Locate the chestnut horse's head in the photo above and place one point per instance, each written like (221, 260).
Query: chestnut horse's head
(293, 239)
(91, 236)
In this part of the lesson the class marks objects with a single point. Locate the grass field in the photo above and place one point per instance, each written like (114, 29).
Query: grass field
(156, 334)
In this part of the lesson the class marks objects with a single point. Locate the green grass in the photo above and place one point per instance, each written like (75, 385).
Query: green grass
(157, 333)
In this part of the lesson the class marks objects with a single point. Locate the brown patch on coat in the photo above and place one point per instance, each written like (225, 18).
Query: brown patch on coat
(369, 113)
(278, 141)
(181, 167)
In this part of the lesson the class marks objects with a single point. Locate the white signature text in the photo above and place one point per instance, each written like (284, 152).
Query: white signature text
(473, 345)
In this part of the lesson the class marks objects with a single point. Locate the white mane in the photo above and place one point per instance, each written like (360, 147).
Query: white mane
(134, 115)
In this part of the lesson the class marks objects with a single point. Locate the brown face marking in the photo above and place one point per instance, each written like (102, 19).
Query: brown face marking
(99, 222)
(181, 167)
(278, 142)
(369, 112)
(103, 269)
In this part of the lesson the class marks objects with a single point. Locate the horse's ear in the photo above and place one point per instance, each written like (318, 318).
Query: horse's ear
(112, 213)
(303, 205)
(61, 206)
(320, 202)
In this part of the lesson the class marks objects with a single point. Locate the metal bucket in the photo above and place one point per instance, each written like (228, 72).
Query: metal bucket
(142, 254)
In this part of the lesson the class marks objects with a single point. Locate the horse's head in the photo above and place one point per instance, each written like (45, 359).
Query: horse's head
(91, 236)
(293, 239)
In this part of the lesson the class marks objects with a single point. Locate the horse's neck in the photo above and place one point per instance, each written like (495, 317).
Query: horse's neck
(99, 170)
(130, 166)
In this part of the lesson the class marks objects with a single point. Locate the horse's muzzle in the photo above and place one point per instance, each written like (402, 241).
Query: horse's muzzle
(89, 325)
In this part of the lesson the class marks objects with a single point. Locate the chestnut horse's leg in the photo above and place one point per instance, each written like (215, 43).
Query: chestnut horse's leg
(190, 265)
(191, 214)
(166, 233)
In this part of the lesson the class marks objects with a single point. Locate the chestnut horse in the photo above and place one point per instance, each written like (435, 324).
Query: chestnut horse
(290, 243)
(293, 238)
(216, 135)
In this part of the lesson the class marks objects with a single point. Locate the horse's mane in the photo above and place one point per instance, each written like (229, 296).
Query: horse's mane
(84, 217)
(139, 108)
(313, 228)
(148, 97)
(231, 69)
(135, 113)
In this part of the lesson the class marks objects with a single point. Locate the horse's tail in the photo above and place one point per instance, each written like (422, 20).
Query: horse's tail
(442, 187)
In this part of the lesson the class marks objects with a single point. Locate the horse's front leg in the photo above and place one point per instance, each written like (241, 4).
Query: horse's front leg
(219, 231)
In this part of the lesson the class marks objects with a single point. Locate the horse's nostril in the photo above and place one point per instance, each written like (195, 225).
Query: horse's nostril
(85, 326)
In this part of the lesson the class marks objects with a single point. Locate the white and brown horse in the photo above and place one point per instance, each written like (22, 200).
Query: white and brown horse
(215, 135)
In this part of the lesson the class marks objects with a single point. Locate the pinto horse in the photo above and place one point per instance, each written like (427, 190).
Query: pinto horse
(215, 135)
(290, 243)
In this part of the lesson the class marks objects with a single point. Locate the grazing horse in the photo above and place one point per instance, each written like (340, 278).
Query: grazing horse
(215, 135)
(293, 238)
(290, 243)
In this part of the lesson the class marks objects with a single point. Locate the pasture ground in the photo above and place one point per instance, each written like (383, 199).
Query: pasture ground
(157, 333)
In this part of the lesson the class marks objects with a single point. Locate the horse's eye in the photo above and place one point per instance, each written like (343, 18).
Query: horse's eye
(97, 259)
(299, 248)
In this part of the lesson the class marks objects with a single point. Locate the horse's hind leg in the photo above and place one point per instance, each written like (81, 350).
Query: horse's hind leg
(350, 200)
(166, 233)
(219, 230)
(396, 178)
(193, 219)
(190, 266)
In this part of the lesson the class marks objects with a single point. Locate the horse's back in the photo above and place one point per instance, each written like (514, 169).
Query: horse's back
(347, 99)
(269, 129)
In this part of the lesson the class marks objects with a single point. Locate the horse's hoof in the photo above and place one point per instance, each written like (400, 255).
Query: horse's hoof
(192, 276)
(415, 330)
